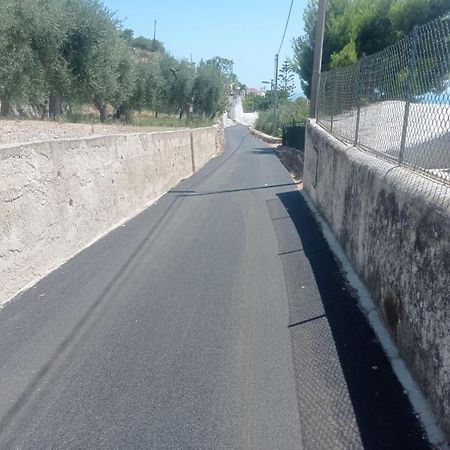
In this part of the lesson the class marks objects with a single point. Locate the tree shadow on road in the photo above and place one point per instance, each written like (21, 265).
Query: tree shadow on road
(263, 151)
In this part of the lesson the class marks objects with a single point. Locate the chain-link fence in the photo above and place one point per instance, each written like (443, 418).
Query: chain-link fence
(396, 103)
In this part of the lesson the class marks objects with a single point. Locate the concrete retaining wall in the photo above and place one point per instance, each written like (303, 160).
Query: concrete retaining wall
(56, 197)
(394, 227)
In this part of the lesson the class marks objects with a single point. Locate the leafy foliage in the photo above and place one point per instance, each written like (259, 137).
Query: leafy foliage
(354, 27)
(76, 51)
(288, 112)
(254, 102)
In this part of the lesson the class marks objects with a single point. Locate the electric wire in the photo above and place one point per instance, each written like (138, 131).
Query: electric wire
(286, 27)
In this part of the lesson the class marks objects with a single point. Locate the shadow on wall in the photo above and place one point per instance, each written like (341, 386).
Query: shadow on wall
(383, 412)
(293, 159)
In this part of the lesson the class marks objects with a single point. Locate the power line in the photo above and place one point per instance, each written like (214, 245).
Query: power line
(275, 99)
(286, 27)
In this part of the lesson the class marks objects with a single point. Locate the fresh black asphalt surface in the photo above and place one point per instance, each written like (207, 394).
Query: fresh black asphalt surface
(216, 319)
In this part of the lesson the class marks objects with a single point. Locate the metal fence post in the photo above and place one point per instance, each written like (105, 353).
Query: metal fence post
(333, 94)
(409, 92)
(359, 96)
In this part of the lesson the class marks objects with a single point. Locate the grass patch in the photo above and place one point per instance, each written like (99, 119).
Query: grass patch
(171, 122)
(144, 119)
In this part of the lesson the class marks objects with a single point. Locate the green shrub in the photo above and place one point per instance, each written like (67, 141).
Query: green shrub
(288, 111)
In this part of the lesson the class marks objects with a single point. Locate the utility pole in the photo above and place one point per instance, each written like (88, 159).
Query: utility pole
(275, 97)
(317, 65)
(154, 37)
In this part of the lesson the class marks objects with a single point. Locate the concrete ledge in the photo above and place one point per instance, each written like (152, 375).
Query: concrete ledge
(265, 137)
(393, 226)
(56, 197)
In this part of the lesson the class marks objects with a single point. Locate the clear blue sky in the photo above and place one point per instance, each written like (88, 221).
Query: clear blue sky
(247, 31)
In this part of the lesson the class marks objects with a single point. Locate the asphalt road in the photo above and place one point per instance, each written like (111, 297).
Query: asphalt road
(216, 319)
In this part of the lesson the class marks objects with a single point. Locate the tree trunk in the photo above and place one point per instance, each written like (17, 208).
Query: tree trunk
(101, 107)
(44, 114)
(123, 113)
(5, 107)
(55, 106)
(120, 112)
(102, 110)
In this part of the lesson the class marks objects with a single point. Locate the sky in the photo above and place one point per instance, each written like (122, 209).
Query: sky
(247, 31)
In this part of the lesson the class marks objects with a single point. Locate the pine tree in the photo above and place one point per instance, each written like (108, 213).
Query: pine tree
(286, 78)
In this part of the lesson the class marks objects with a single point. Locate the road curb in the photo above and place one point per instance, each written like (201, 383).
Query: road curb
(265, 137)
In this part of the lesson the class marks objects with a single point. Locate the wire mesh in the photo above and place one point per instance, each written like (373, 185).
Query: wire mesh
(345, 85)
(326, 95)
(396, 103)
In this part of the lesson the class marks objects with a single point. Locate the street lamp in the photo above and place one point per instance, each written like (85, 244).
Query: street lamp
(268, 82)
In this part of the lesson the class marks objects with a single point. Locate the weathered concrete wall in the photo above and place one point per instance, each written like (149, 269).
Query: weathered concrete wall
(203, 143)
(394, 226)
(56, 197)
